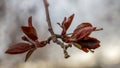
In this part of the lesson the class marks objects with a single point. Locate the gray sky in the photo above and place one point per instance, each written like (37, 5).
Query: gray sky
(101, 13)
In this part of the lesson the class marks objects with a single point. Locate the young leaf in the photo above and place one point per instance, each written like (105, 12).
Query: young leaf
(30, 21)
(66, 24)
(87, 44)
(19, 48)
(29, 54)
(82, 33)
(77, 45)
(85, 49)
(90, 43)
(30, 32)
(83, 25)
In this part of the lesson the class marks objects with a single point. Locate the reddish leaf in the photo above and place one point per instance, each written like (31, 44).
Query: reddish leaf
(82, 33)
(90, 43)
(87, 44)
(29, 54)
(30, 32)
(77, 45)
(66, 24)
(85, 49)
(83, 25)
(30, 21)
(19, 48)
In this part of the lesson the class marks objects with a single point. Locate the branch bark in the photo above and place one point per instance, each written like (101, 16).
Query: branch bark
(53, 35)
(46, 4)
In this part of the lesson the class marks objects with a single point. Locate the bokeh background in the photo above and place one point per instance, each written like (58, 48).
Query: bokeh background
(101, 13)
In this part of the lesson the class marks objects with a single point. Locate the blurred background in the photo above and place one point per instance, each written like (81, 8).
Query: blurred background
(101, 13)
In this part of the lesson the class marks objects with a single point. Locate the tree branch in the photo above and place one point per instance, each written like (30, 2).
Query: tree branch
(53, 35)
(46, 4)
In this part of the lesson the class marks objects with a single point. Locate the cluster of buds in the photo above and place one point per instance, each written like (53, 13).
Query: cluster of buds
(31, 43)
(80, 37)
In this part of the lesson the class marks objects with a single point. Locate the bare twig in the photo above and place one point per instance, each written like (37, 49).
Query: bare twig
(53, 35)
(46, 4)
